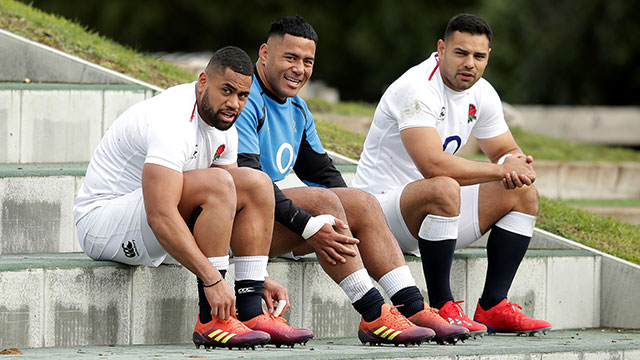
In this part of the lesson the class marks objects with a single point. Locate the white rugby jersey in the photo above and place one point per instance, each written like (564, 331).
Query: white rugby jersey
(165, 130)
(419, 98)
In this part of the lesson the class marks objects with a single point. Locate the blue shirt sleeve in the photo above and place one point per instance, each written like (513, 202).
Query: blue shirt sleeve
(247, 124)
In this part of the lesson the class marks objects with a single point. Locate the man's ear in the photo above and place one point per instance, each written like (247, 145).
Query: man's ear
(263, 52)
(440, 46)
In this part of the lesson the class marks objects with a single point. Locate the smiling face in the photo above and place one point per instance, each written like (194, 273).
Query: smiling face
(285, 64)
(221, 97)
(463, 58)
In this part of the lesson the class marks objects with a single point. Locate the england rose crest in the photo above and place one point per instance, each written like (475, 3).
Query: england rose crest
(472, 113)
(218, 153)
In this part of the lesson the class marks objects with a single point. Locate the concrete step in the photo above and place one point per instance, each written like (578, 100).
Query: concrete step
(70, 300)
(75, 119)
(591, 344)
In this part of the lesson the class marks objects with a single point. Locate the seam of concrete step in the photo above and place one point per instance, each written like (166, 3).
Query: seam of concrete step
(74, 87)
(21, 262)
(82, 61)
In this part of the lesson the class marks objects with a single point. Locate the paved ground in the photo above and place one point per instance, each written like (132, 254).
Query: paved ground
(565, 343)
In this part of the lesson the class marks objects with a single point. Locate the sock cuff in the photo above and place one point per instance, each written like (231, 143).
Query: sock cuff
(356, 285)
(220, 262)
(396, 280)
(517, 222)
(250, 267)
(438, 228)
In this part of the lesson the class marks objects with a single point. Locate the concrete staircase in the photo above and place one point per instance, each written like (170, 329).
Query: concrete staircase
(51, 295)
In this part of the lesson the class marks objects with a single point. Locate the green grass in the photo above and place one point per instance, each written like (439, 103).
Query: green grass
(74, 39)
(342, 108)
(546, 148)
(611, 236)
(339, 140)
(604, 202)
(603, 233)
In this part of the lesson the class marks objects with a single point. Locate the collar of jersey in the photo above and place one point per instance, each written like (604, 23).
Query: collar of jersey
(266, 91)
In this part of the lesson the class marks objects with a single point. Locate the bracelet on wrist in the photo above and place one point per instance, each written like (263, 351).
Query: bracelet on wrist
(214, 284)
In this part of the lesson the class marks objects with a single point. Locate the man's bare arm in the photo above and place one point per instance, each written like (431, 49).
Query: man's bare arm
(162, 189)
(425, 148)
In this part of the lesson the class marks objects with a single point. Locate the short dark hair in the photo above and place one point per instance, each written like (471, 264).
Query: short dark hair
(230, 57)
(468, 23)
(293, 25)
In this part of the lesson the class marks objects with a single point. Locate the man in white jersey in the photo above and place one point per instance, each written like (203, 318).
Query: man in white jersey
(163, 184)
(436, 202)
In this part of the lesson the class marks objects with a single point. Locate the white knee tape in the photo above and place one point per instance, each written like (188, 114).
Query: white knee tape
(517, 222)
(438, 228)
(220, 262)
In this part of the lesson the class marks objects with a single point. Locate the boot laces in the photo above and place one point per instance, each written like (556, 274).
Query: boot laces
(232, 324)
(398, 321)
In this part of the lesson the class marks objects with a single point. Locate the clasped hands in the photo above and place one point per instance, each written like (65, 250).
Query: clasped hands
(518, 172)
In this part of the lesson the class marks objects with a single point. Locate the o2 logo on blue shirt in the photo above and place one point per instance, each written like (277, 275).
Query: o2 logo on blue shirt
(450, 140)
(286, 147)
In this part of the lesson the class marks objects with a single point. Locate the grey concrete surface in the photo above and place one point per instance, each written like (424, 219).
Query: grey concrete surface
(619, 286)
(25, 59)
(581, 344)
(70, 300)
(69, 130)
(587, 180)
(590, 124)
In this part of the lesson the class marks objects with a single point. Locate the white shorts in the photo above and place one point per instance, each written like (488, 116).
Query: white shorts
(468, 228)
(119, 231)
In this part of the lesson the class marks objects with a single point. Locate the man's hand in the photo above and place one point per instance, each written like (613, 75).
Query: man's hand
(275, 292)
(222, 300)
(519, 172)
(331, 245)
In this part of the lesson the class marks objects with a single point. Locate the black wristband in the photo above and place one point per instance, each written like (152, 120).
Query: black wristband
(214, 284)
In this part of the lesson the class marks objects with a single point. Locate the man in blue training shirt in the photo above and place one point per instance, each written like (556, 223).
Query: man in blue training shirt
(277, 134)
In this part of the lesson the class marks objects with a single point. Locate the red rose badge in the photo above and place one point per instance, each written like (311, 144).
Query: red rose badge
(218, 153)
(472, 113)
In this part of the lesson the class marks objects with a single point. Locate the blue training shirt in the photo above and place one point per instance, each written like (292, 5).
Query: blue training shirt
(274, 130)
(277, 136)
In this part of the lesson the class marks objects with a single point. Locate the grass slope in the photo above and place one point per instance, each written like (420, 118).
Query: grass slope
(64, 35)
(612, 236)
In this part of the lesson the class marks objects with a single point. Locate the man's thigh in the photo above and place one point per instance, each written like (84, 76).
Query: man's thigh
(118, 231)
(313, 200)
(468, 228)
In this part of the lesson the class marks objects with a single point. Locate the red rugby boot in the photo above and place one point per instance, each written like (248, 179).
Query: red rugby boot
(506, 317)
(452, 312)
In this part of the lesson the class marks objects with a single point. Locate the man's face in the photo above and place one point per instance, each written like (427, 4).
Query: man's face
(463, 58)
(222, 96)
(286, 64)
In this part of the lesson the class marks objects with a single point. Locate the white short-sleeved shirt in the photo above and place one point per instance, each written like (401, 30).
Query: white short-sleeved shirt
(165, 130)
(419, 98)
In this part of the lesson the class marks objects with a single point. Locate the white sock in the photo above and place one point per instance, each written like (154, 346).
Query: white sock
(250, 267)
(220, 262)
(518, 223)
(438, 228)
(356, 285)
(396, 280)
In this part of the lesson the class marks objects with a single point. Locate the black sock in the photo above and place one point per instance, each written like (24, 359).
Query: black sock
(411, 300)
(369, 305)
(505, 251)
(437, 257)
(203, 303)
(249, 298)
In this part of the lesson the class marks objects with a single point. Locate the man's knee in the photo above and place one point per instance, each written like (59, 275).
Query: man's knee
(211, 185)
(527, 200)
(322, 201)
(254, 184)
(442, 194)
